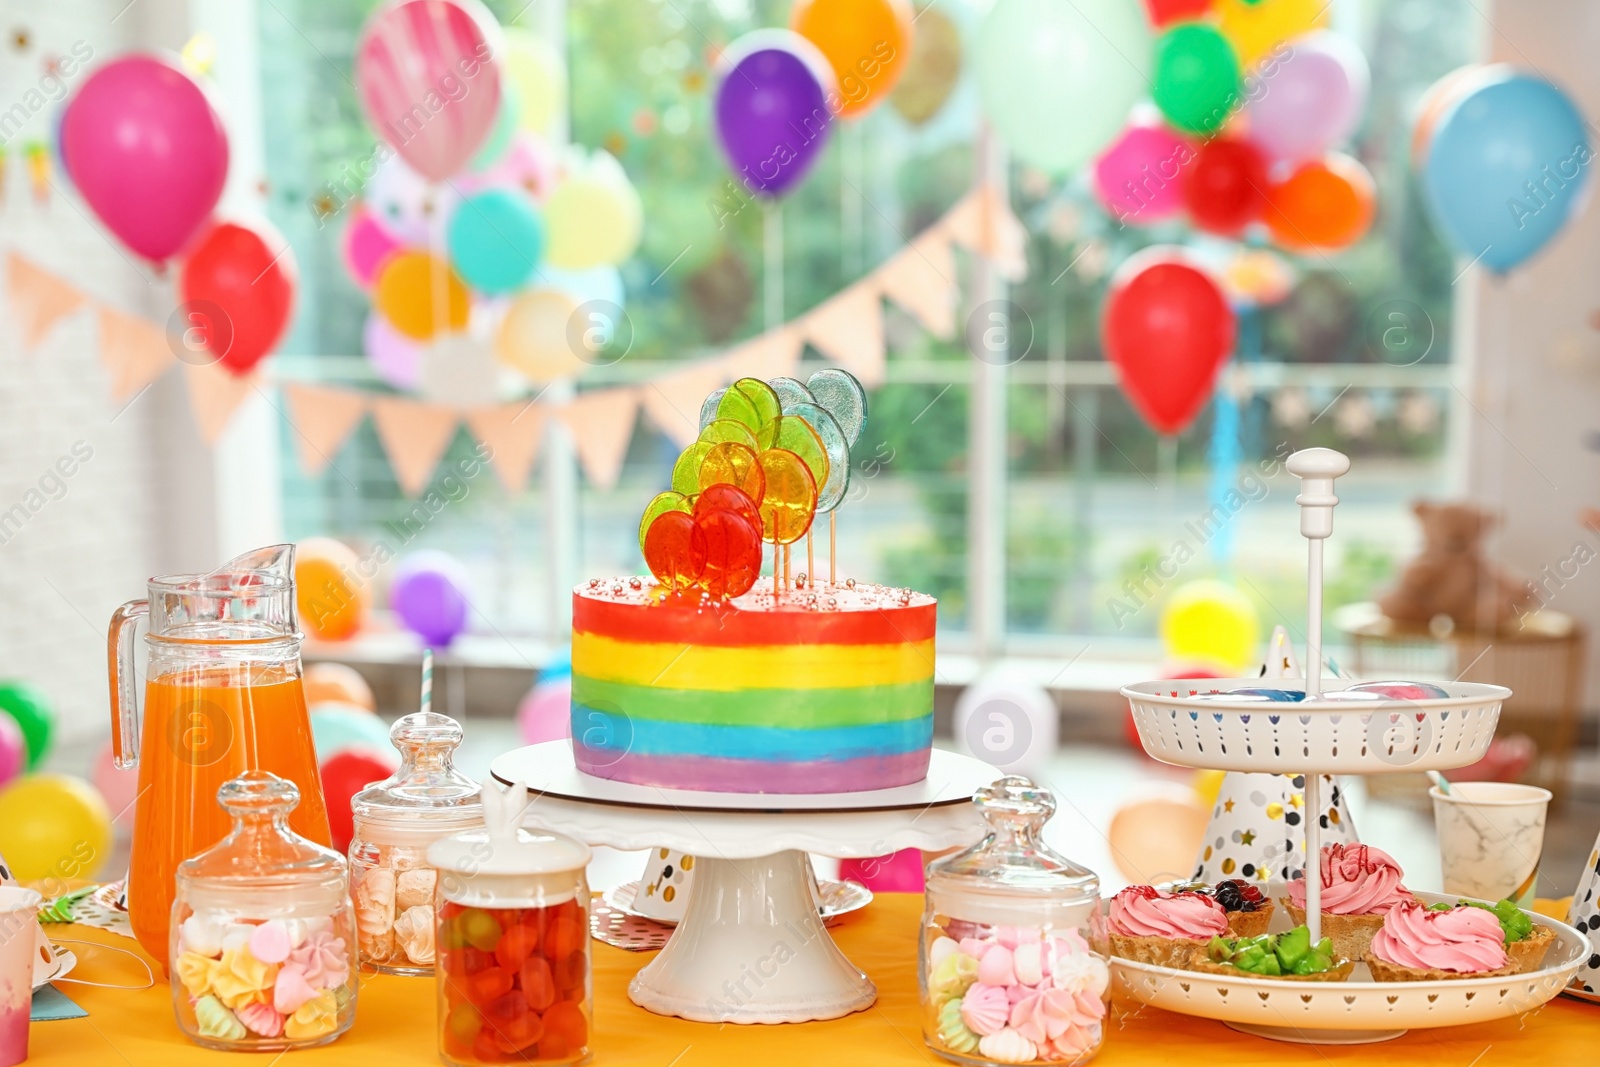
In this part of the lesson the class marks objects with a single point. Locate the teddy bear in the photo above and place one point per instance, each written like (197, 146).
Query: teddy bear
(1450, 577)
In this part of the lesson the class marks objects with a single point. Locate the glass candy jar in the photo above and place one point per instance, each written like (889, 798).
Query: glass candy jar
(262, 943)
(513, 941)
(1012, 959)
(394, 823)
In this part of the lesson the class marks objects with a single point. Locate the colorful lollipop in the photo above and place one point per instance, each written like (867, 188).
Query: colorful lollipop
(728, 498)
(660, 504)
(686, 472)
(841, 394)
(752, 402)
(833, 486)
(790, 392)
(675, 549)
(733, 550)
(730, 463)
(790, 499)
(793, 434)
(708, 407)
(719, 430)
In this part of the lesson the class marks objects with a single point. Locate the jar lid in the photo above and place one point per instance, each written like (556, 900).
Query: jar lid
(427, 786)
(1012, 862)
(262, 851)
(504, 847)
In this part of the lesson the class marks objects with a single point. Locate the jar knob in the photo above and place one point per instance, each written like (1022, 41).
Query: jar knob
(258, 792)
(1015, 799)
(426, 730)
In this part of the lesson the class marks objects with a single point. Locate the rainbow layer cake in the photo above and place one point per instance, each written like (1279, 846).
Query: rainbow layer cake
(796, 691)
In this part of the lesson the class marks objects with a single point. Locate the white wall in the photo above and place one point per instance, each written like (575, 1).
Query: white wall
(1534, 379)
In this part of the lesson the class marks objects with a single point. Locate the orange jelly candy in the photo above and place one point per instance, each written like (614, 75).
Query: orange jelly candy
(538, 983)
(565, 1019)
(515, 944)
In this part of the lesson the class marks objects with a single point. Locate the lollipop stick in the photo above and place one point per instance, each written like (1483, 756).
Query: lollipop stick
(811, 562)
(786, 566)
(833, 546)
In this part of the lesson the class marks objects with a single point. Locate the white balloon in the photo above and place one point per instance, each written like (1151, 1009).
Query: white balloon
(413, 209)
(1010, 724)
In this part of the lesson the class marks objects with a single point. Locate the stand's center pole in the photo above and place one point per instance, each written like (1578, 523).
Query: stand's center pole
(1312, 815)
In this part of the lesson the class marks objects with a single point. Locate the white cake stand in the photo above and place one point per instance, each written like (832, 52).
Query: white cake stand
(751, 947)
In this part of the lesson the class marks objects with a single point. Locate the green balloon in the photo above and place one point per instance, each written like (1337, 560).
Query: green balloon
(31, 709)
(1056, 79)
(1197, 78)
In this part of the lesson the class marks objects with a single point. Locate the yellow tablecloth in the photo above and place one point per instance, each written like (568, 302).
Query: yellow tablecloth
(395, 1023)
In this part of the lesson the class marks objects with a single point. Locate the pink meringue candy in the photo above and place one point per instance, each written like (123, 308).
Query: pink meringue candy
(997, 967)
(291, 989)
(977, 947)
(260, 1019)
(1008, 1046)
(270, 942)
(322, 959)
(985, 1009)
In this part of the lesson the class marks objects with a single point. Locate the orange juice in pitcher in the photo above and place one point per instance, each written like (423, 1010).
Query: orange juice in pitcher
(223, 696)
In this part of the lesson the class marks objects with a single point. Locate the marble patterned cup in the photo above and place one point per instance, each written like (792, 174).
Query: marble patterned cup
(1491, 835)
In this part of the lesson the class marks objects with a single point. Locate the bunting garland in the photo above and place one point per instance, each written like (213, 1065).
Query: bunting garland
(847, 329)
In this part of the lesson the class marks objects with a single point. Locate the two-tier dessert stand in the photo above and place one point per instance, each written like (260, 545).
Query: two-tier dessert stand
(1194, 724)
(751, 947)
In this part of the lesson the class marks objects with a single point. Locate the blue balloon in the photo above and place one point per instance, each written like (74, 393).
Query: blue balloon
(1266, 693)
(496, 240)
(336, 726)
(1507, 167)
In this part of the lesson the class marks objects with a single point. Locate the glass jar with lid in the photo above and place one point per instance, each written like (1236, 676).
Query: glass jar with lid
(1012, 961)
(262, 938)
(394, 822)
(513, 935)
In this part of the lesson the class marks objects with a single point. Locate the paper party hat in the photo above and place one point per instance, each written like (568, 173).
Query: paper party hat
(1584, 916)
(1257, 829)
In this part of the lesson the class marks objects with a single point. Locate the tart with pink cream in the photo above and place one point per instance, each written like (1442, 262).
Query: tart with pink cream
(1359, 886)
(1166, 929)
(1418, 945)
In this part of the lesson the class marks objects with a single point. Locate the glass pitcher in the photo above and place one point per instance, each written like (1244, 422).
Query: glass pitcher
(223, 696)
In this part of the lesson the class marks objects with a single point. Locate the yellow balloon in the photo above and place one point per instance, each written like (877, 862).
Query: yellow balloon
(594, 218)
(53, 826)
(540, 78)
(534, 340)
(1256, 27)
(414, 288)
(1211, 622)
(1207, 786)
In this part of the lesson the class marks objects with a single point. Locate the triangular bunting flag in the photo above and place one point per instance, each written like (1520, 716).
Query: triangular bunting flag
(513, 433)
(982, 223)
(601, 423)
(39, 299)
(321, 419)
(134, 351)
(673, 401)
(415, 436)
(774, 354)
(921, 278)
(214, 395)
(848, 329)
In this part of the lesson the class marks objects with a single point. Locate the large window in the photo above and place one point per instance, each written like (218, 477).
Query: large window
(1091, 498)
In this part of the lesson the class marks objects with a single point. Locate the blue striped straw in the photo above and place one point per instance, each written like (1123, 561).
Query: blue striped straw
(427, 680)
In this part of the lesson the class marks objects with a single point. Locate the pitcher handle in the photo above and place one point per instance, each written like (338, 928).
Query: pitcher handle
(125, 722)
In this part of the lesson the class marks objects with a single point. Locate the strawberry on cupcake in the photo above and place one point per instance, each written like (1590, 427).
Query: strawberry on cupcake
(1149, 926)
(1359, 886)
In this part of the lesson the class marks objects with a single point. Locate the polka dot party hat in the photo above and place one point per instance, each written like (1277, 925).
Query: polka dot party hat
(1585, 918)
(1257, 828)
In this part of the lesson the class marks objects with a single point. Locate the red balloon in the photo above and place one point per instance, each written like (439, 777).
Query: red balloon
(344, 774)
(1163, 12)
(675, 550)
(1168, 328)
(733, 551)
(238, 291)
(1225, 187)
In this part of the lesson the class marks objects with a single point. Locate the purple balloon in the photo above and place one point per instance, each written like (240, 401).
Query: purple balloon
(429, 593)
(772, 110)
(1309, 102)
(396, 358)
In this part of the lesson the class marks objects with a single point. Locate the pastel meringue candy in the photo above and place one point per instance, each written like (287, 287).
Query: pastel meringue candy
(1007, 1046)
(201, 934)
(261, 1019)
(985, 1009)
(323, 960)
(291, 990)
(413, 888)
(236, 936)
(196, 972)
(941, 948)
(955, 1034)
(1027, 960)
(953, 975)
(314, 1018)
(413, 933)
(374, 900)
(217, 1022)
(997, 967)
(271, 941)
(403, 858)
(241, 978)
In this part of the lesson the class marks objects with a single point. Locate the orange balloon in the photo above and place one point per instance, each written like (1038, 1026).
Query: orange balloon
(329, 594)
(414, 288)
(1328, 203)
(338, 682)
(866, 42)
(790, 499)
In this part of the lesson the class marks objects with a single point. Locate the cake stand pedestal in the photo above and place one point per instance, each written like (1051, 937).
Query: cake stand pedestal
(751, 947)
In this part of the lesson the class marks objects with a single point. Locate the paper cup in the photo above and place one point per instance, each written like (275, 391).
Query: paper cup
(1491, 835)
(19, 921)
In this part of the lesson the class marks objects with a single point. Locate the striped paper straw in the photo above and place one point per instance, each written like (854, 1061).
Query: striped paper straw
(427, 680)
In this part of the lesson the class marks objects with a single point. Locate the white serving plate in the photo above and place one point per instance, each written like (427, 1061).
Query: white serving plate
(1357, 1011)
(1327, 737)
(838, 898)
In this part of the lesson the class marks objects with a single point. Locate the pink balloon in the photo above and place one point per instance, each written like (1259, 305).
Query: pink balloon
(415, 211)
(1309, 102)
(429, 82)
(545, 714)
(527, 165)
(13, 749)
(366, 245)
(149, 152)
(120, 788)
(1139, 179)
(396, 358)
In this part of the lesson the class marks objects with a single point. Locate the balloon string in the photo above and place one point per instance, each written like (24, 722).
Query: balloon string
(149, 975)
